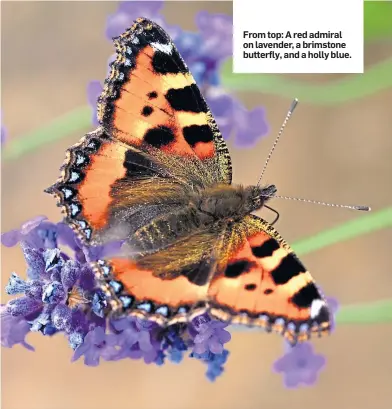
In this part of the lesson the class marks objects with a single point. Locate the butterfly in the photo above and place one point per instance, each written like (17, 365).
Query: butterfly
(157, 174)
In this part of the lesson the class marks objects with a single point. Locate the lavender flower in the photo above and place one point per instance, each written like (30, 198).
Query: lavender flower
(54, 292)
(299, 365)
(334, 307)
(3, 131)
(37, 232)
(210, 336)
(136, 339)
(96, 345)
(232, 117)
(13, 329)
(128, 11)
(94, 89)
(217, 35)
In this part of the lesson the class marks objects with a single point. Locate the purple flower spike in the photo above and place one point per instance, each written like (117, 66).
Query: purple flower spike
(70, 273)
(135, 339)
(37, 233)
(43, 322)
(62, 318)
(215, 365)
(16, 285)
(299, 366)
(96, 345)
(13, 330)
(53, 293)
(231, 116)
(23, 306)
(35, 261)
(251, 125)
(3, 130)
(211, 335)
(333, 305)
(128, 11)
(94, 89)
(217, 34)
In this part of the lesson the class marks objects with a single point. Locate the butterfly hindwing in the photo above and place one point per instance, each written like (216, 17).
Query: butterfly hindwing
(262, 283)
(169, 286)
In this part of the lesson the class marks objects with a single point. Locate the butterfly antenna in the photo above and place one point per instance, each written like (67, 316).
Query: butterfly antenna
(288, 116)
(352, 207)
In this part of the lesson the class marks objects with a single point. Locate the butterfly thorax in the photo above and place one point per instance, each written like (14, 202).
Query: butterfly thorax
(231, 202)
(211, 208)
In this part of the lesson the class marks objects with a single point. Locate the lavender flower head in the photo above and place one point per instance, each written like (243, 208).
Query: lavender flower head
(60, 295)
(299, 365)
(2, 129)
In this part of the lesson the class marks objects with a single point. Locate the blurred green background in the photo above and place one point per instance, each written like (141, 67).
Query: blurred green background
(337, 148)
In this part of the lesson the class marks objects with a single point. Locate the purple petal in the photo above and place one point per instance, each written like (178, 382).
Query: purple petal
(30, 225)
(250, 125)
(217, 32)
(215, 346)
(223, 335)
(127, 12)
(3, 130)
(200, 348)
(91, 357)
(145, 341)
(62, 318)
(134, 7)
(291, 380)
(98, 335)
(94, 89)
(204, 335)
(87, 278)
(67, 236)
(35, 261)
(23, 306)
(13, 330)
(10, 238)
(70, 274)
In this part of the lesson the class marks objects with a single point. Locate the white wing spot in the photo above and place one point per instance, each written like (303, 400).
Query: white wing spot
(165, 48)
(316, 307)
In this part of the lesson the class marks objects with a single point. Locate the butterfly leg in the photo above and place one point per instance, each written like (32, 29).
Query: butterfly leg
(276, 212)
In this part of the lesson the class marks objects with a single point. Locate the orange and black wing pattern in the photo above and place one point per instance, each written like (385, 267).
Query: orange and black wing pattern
(249, 276)
(150, 98)
(155, 124)
(261, 282)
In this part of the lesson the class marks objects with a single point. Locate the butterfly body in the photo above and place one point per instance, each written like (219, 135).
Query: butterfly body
(157, 175)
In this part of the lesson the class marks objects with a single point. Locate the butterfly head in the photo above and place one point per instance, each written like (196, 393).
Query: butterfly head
(261, 194)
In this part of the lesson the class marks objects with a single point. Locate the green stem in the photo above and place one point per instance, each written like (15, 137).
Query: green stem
(373, 312)
(75, 121)
(374, 79)
(366, 223)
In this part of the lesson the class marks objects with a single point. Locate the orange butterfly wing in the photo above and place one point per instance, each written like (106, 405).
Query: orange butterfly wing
(149, 101)
(257, 281)
(264, 284)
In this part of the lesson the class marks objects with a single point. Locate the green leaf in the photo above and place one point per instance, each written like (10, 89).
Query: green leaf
(377, 20)
(373, 312)
(75, 121)
(365, 223)
(375, 79)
